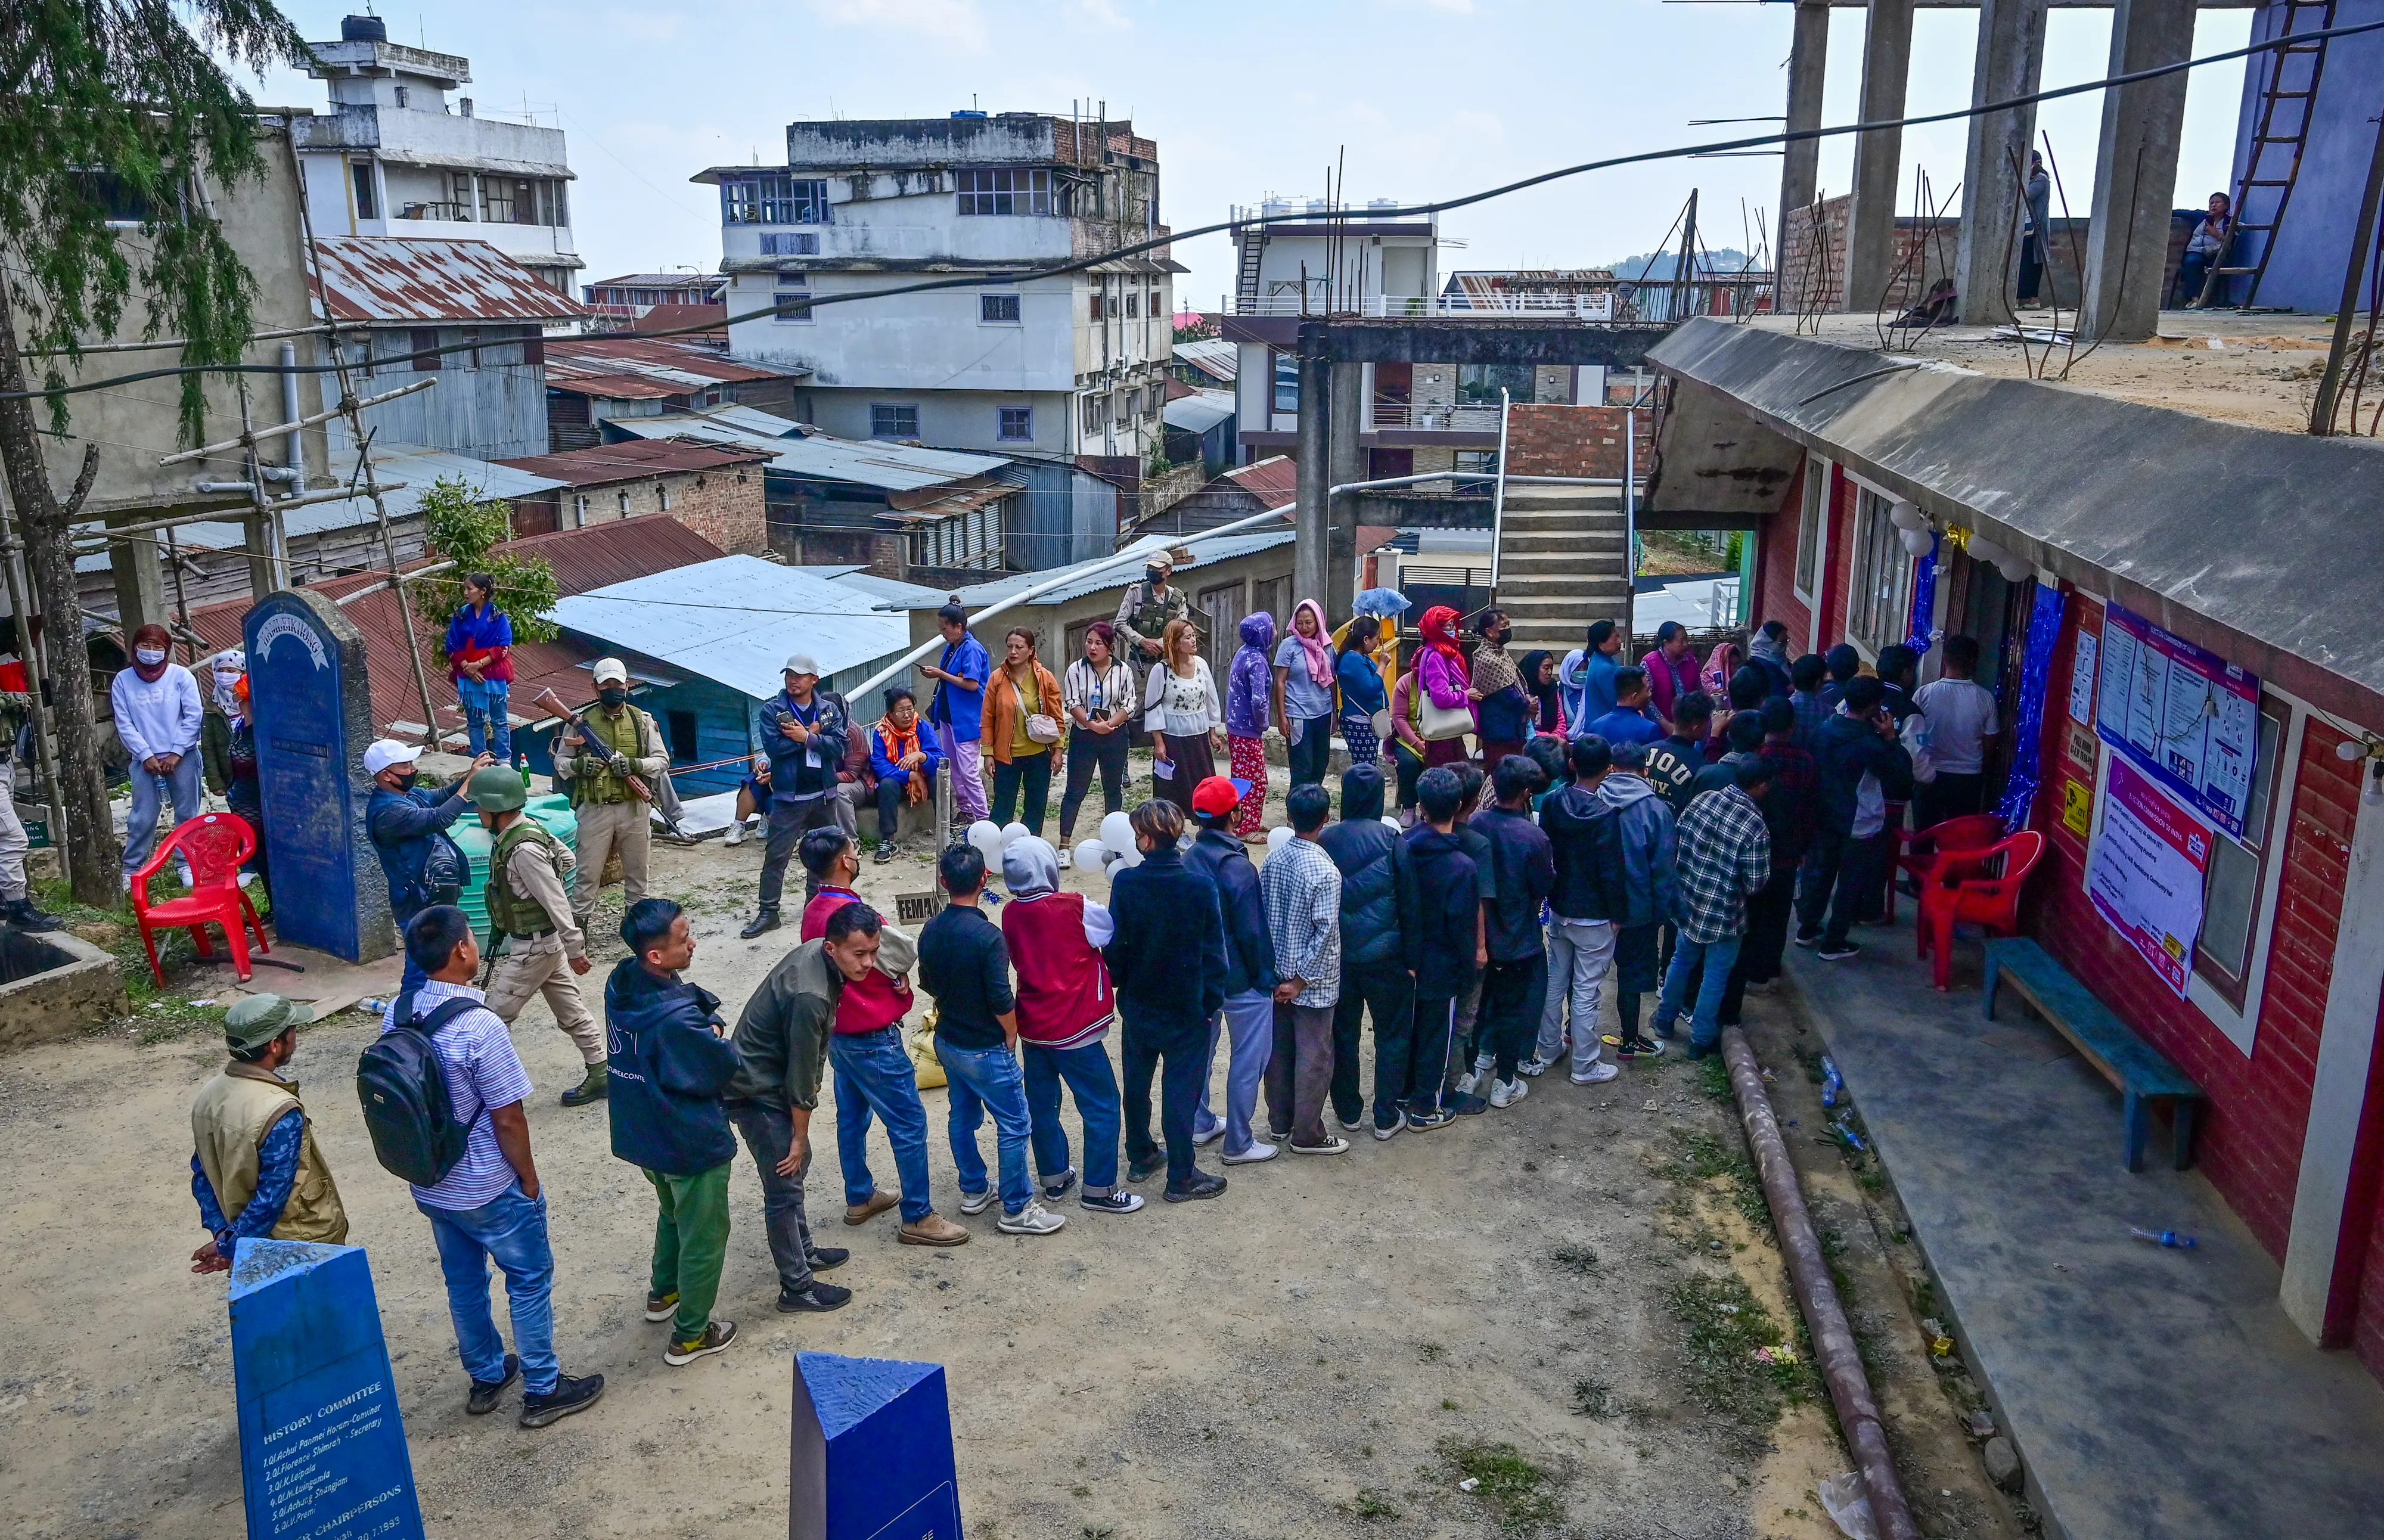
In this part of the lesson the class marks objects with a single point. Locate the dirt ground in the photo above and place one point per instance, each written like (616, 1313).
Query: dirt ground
(1559, 1300)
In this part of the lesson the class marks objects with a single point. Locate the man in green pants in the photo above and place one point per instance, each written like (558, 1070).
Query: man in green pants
(670, 1065)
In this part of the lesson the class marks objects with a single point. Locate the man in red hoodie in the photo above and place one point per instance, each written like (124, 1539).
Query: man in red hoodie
(874, 1078)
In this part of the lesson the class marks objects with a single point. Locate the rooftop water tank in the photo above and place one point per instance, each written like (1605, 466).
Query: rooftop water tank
(1319, 205)
(1275, 208)
(362, 29)
(1378, 206)
(968, 112)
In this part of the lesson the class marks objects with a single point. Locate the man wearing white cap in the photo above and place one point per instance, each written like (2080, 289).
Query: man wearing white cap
(409, 833)
(611, 760)
(803, 729)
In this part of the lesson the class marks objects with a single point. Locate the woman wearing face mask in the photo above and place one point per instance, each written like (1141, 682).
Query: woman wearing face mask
(228, 748)
(155, 703)
(1501, 706)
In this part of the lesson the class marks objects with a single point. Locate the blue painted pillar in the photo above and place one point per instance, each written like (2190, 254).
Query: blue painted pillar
(872, 1451)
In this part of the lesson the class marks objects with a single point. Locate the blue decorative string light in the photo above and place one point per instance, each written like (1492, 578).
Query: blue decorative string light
(2036, 672)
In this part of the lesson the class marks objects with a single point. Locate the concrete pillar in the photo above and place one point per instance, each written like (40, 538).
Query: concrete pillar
(1345, 462)
(2010, 63)
(141, 591)
(1800, 163)
(1310, 561)
(2135, 180)
(1870, 223)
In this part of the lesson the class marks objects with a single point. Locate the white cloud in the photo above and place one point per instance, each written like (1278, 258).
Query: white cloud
(954, 24)
(1103, 14)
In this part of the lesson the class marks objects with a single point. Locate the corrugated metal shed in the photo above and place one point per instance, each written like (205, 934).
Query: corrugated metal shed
(1199, 412)
(1205, 551)
(602, 463)
(645, 368)
(736, 620)
(1212, 357)
(723, 424)
(1276, 479)
(379, 278)
(909, 595)
(893, 467)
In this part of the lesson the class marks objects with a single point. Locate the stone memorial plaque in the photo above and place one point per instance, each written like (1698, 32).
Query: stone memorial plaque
(322, 1450)
(306, 685)
(872, 1451)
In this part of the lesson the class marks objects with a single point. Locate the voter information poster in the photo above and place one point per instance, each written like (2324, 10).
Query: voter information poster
(2190, 719)
(2146, 872)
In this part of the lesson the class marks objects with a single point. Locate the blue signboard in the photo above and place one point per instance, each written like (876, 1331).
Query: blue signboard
(872, 1451)
(322, 1451)
(306, 685)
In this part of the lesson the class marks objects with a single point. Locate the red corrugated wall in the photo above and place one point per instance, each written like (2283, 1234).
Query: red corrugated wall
(2249, 1142)
(2354, 1311)
(1775, 568)
(1841, 559)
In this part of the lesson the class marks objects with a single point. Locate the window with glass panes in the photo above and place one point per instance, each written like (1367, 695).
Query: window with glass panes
(1004, 189)
(1878, 607)
(2231, 886)
(893, 422)
(1809, 526)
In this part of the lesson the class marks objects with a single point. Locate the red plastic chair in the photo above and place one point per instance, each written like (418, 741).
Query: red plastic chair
(1963, 890)
(1922, 848)
(215, 844)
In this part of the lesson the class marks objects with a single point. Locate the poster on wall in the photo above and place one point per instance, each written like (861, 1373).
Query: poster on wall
(2189, 719)
(2081, 680)
(2145, 875)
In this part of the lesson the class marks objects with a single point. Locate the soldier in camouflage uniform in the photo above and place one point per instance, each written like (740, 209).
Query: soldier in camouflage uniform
(1143, 614)
(543, 945)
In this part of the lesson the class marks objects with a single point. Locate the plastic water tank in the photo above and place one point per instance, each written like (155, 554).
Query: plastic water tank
(1275, 208)
(552, 811)
(1376, 206)
(1320, 205)
(362, 29)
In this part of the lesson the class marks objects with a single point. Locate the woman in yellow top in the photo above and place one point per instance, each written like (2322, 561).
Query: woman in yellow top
(1023, 713)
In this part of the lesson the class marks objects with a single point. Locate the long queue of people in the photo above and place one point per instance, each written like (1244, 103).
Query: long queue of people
(1643, 852)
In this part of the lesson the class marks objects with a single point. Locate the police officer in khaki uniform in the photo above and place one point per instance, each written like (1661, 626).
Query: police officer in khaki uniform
(527, 910)
(616, 742)
(254, 1170)
(1143, 614)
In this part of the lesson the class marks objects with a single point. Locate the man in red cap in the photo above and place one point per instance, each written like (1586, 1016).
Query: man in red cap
(1248, 1015)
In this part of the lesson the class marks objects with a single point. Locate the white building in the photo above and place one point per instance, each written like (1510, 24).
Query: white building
(396, 156)
(1026, 367)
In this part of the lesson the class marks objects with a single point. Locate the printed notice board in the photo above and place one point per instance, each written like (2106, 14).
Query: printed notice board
(2145, 876)
(2190, 719)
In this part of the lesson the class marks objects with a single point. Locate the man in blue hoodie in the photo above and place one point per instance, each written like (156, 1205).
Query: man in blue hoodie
(1166, 958)
(669, 1065)
(1248, 1016)
(1451, 951)
(1381, 931)
(1645, 821)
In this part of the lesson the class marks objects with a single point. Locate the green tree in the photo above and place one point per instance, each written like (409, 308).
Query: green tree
(458, 527)
(105, 106)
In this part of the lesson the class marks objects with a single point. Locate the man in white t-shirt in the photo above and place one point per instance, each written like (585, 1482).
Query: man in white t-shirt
(490, 1205)
(1961, 717)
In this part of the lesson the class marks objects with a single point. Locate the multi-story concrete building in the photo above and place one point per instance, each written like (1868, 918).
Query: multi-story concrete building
(396, 156)
(1056, 368)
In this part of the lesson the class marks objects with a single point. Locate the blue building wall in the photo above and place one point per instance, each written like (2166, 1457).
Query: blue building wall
(1065, 516)
(2313, 246)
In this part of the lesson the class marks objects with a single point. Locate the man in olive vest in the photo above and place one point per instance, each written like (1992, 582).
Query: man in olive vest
(255, 1169)
(1147, 606)
(544, 949)
(615, 742)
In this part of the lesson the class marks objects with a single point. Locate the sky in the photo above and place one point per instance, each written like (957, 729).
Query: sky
(1426, 99)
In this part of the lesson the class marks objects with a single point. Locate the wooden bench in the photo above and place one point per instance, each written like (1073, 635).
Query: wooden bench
(2142, 1075)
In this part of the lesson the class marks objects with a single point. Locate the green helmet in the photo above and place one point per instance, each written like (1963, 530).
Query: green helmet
(497, 789)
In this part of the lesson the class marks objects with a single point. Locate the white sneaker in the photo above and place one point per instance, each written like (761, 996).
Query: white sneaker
(1358, 1124)
(736, 835)
(1067, 859)
(972, 1202)
(1506, 1093)
(1212, 1137)
(1600, 1073)
(1535, 1066)
(1032, 1219)
(1253, 1155)
(1392, 1132)
(1465, 1083)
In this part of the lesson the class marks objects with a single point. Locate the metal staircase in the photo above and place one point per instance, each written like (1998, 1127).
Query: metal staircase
(2288, 100)
(1246, 279)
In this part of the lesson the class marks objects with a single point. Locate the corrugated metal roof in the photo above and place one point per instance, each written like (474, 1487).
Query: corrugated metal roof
(640, 368)
(601, 463)
(893, 467)
(910, 595)
(1206, 550)
(736, 620)
(1274, 478)
(1212, 357)
(378, 278)
(412, 463)
(1199, 412)
(726, 424)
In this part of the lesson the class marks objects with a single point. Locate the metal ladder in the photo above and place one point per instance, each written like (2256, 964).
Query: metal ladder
(1246, 280)
(2267, 143)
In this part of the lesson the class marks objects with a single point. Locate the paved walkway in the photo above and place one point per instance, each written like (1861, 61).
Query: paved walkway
(2149, 1392)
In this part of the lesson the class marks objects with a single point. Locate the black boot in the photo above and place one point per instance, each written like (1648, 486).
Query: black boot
(762, 923)
(21, 914)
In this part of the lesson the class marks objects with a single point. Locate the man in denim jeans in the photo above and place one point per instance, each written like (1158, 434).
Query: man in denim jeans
(490, 1205)
(965, 966)
(1248, 1016)
(1724, 856)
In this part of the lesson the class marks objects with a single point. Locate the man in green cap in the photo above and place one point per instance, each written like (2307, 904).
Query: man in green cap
(543, 947)
(255, 1169)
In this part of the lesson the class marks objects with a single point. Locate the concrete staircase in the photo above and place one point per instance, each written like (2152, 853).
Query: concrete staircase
(1561, 563)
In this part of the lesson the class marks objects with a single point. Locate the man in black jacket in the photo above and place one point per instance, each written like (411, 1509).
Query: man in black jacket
(1586, 906)
(1862, 769)
(1674, 760)
(1451, 952)
(1515, 979)
(1381, 932)
(669, 1066)
(1167, 961)
(1248, 1016)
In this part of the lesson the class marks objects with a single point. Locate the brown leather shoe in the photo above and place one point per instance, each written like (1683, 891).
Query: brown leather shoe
(933, 1229)
(862, 1213)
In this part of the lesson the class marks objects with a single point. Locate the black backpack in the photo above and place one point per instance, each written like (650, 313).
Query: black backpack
(403, 1089)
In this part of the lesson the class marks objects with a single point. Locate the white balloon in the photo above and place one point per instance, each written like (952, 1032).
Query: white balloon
(1389, 821)
(1011, 833)
(2016, 568)
(1984, 550)
(1117, 832)
(1903, 515)
(1091, 855)
(1915, 542)
(1121, 860)
(986, 834)
(1277, 838)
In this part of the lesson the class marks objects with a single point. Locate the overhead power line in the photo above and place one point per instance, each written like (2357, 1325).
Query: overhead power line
(1683, 152)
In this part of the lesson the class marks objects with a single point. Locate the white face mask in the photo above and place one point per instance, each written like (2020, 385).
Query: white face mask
(150, 656)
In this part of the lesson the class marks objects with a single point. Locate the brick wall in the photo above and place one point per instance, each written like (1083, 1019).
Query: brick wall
(1572, 440)
(724, 506)
(1775, 568)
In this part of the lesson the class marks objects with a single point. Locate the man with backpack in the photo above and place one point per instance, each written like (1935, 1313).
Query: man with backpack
(443, 1092)
(670, 1065)
(544, 951)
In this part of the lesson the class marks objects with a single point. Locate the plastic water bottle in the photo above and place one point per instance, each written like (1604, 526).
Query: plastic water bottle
(1833, 1085)
(521, 763)
(375, 1006)
(2169, 1238)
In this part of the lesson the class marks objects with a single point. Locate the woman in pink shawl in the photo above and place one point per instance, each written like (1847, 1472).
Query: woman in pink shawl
(1303, 678)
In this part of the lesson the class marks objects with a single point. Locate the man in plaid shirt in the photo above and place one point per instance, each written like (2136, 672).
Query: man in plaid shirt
(1302, 889)
(1722, 854)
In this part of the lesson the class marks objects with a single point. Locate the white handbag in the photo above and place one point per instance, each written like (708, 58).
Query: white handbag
(1439, 723)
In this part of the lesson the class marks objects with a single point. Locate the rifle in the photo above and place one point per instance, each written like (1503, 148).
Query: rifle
(550, 700)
